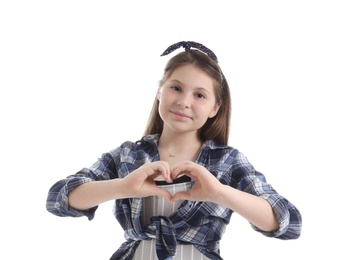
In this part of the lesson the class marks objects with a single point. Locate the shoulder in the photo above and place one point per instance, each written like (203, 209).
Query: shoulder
(226, 155)
(147, 145)
(217, 150)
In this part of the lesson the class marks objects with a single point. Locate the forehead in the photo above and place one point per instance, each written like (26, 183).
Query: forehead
(189, 73)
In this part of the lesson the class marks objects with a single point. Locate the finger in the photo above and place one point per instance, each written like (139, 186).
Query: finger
(185, 166)
(176, 175)
(166, 172)
(183, 169)
(159, 169)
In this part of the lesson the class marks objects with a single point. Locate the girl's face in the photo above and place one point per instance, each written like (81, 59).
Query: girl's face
(187, 99)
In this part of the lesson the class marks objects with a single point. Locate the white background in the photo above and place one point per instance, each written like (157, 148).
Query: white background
(78, 78)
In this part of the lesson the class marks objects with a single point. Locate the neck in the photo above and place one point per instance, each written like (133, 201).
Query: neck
(175, 145)
(178, 140)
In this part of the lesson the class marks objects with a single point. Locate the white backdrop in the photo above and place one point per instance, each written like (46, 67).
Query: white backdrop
(78, 78)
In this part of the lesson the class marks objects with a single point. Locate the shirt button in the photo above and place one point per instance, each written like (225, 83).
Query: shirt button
(57, 205)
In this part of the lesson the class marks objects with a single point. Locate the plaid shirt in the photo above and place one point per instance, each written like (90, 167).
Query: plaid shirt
(199, 223)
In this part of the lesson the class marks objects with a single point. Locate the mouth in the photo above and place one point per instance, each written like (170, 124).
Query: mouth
(180, 115)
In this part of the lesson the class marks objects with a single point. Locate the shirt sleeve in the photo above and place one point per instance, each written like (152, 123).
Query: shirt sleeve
(57, 199)
(254, 182)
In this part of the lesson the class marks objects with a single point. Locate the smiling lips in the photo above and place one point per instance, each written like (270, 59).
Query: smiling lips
(180, 115)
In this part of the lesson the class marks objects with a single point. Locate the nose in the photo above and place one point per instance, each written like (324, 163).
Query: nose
(184, 101)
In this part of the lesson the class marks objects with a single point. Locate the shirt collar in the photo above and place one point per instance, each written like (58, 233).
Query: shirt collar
(209, 144)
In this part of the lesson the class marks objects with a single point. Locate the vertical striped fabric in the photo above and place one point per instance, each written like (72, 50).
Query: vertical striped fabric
(154, 206)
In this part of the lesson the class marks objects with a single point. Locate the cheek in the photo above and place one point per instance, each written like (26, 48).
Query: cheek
(166, 97)
(213, 113)
(202, 112)
(163, 102)
(206, 112)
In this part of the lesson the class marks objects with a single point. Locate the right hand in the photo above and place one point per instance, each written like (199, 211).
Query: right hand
(140, 183)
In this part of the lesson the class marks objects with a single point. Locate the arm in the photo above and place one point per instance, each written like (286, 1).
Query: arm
(255, 209)
(208, 188)
(80, 194)
(93, 193)
(139, 183)
(251, 197)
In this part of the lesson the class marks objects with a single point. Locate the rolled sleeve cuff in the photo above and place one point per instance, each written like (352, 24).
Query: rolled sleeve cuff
(280, 209)
(58, 202)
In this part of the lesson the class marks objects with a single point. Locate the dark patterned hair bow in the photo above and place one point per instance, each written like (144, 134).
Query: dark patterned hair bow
(187, 46)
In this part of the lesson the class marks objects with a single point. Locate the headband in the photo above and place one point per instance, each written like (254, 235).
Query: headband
(187, 46)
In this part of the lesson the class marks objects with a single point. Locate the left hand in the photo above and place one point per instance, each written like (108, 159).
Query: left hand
(205, 188)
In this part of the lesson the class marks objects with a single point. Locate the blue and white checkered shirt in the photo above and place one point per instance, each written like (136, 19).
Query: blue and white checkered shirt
(199, 223)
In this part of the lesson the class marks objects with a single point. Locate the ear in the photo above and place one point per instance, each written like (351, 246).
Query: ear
(158, 95)
(214, 111)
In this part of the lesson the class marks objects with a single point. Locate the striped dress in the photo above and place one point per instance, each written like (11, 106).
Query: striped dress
(160, 206)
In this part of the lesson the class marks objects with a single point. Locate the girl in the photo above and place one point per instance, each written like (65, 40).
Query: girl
(176, 189)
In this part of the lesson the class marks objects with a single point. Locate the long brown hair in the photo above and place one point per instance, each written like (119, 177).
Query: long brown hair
(216, 128)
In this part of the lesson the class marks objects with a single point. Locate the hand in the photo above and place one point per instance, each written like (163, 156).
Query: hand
(140, 183)
(206, 185)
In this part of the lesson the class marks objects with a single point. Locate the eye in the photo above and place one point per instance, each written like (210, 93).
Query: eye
(200, 95)
(175, 87)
